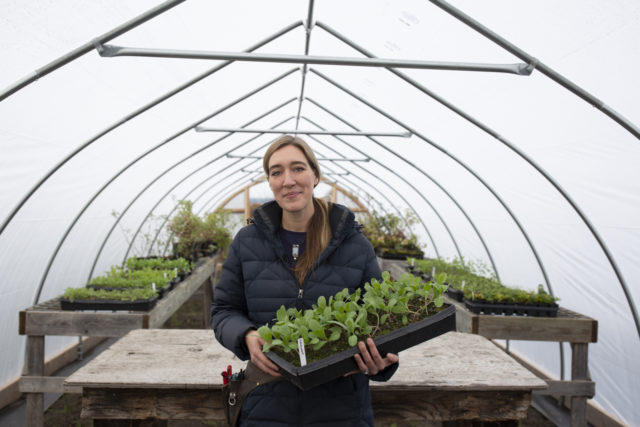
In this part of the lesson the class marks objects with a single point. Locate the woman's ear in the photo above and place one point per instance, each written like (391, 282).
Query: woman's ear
(317, 181)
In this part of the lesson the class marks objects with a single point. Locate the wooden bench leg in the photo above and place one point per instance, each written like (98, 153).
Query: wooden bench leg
(579, 371)
(35, 367)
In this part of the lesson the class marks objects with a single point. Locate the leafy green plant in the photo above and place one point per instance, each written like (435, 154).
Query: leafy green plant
(344, 319)
(465, 276)
(73, 294)
(195, 236)
(388, 234)
(117, 277)
(181, 264)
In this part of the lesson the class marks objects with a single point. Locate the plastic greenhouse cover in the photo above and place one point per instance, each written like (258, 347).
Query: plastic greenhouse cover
(475, 169)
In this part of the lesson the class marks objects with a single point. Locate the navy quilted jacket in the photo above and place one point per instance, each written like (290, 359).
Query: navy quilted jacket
(255, 282)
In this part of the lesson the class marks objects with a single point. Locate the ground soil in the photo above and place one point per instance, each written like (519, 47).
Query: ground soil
(65, 412)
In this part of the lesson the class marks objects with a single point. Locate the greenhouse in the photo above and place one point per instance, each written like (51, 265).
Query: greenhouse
(499, 137)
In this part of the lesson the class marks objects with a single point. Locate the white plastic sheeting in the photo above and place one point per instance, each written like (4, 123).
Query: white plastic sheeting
(459, 176)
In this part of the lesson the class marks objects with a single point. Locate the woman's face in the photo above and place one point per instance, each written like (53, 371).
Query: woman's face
(292, 180)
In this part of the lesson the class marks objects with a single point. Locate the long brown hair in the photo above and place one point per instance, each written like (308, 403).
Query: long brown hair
(319, 229)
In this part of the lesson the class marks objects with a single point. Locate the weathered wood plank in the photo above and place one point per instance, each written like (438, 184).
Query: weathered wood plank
(169, 404)
(457, 361)
(35, 410)
(39, 384)
(194, 359)
(579, 371)
(159, 358)
(170, 304)
(450, 405)
(207, 300)
(35, 366)
(80, 323)
(49, 319)
(567, 327)
(569, 388)
(175, 374)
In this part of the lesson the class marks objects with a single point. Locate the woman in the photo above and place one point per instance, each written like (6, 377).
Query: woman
(296, 249)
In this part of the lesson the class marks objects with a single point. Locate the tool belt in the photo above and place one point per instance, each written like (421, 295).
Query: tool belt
(238, 386)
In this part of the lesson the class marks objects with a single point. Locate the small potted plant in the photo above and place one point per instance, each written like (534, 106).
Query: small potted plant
(389, 238)
(397, 314)
(195, 237)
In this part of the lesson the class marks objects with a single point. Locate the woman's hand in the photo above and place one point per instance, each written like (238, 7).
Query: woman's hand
(254, 343)
(369, 360)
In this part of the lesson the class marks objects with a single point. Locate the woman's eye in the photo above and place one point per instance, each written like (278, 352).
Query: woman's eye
(299, 169)
(275, 173)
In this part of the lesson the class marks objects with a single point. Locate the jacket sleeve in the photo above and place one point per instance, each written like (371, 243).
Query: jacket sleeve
(371, 268)
(229, 313)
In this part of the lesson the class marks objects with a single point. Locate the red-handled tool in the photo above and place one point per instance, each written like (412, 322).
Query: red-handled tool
(226, 375)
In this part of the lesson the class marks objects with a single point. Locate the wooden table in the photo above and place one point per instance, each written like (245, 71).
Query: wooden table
(575, 328)
(49, 319)
(175, 374)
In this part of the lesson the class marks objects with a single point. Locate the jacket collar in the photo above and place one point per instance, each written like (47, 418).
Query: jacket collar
(268, 218)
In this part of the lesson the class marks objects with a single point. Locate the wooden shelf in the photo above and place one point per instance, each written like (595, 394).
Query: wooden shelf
(48, 318)
(577, 329)
(568, 326)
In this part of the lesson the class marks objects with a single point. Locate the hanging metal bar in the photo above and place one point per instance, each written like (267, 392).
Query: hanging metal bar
(130, 116)
(88, 47)
(111, 51)
(514, 148)
(544, 69)
(304, 132)
(307, 43)
(320, 159)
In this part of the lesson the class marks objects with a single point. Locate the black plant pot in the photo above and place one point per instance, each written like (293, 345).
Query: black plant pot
(337, 365)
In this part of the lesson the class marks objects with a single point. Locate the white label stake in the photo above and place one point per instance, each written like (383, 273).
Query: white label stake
(303, 356)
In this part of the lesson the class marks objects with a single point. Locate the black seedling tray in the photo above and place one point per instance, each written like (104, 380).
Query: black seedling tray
(541, 310)
(337, 365)
(108, 305)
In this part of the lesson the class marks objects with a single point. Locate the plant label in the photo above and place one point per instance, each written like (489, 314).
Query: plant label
(303, 356)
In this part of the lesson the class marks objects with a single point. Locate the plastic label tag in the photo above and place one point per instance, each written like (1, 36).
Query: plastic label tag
(303, 356)
(153, 286)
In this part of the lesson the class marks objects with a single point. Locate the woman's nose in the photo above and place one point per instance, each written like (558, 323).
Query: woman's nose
(288, 179)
